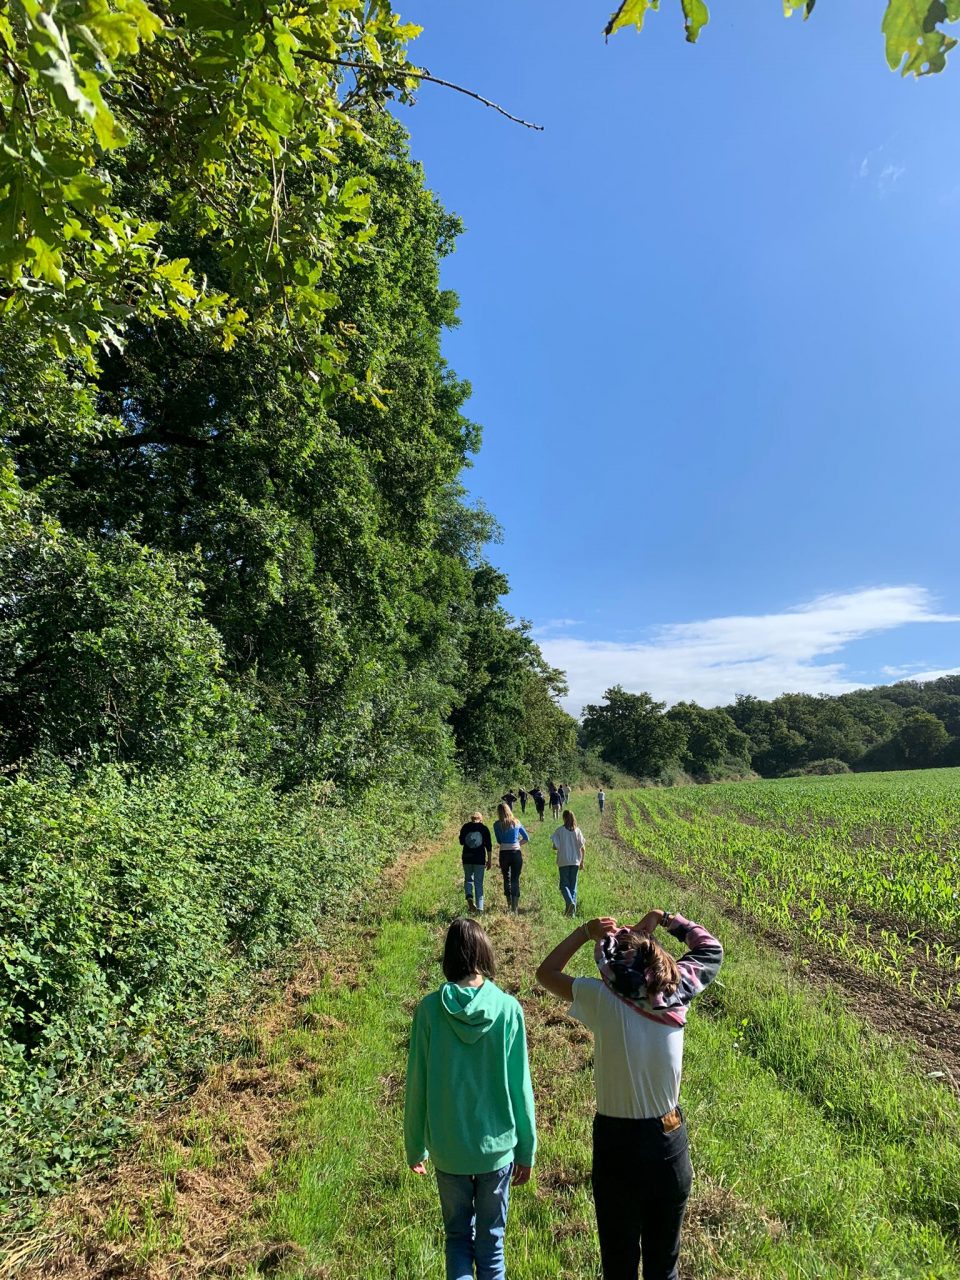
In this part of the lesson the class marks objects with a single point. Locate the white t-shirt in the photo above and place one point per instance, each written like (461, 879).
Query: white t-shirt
(569, 846)
(636, 1062)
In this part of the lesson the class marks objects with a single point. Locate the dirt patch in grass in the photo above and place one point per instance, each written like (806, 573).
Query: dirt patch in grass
(181, 1201)
(932, 1035)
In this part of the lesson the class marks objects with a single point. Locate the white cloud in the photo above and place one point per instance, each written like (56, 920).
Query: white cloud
(917, 673)
(711, 661)
(879, 171)
(890, 175)
(555, 624)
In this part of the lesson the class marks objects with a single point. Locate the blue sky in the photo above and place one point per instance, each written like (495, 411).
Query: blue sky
(710, 316)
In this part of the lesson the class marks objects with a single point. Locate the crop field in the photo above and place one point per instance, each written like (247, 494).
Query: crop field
(863, 867)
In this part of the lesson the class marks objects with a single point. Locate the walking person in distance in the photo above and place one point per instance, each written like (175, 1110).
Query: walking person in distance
(556, 804)
(477, 845)
(636, 1010)
(601, 800)
(570, 846)
(539, 801)
(523, 799)
(469, 1102)
(510, 837)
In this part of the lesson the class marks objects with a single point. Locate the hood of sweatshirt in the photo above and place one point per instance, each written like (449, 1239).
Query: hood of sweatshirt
(472, 1010)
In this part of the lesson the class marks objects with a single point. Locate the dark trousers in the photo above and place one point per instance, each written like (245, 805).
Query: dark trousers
(511, 864)
(641, 1180)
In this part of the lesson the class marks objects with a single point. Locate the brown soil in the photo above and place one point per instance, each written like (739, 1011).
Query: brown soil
(189, 1183)
(932, 1034)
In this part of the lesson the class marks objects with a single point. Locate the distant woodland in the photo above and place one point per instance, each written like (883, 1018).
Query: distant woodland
(908, 725)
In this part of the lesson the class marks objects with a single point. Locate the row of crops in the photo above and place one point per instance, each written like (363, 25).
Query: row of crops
(867, 866)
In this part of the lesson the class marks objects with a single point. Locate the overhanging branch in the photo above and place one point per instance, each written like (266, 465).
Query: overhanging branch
(371, 67)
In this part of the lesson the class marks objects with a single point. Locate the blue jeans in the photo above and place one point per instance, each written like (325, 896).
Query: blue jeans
(473, 882)
(474, 1208)
(568, 884)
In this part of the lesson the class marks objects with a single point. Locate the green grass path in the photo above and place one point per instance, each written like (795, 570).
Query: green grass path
(818, 1150)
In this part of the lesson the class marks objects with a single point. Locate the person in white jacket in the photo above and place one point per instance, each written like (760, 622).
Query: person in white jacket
(570, 845)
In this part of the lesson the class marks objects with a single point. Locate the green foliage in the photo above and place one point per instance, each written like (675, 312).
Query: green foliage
(103, 652)
(631, 732)
(901, 726)
(131, 908)
(920, 738)
(240, 113)
(248, 627)
(915, 43)
(709, 739)
(819, 768)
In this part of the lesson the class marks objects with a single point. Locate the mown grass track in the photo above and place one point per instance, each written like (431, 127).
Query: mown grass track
(820, 1149)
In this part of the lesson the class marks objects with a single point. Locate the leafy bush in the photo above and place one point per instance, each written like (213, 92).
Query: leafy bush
(103, 651)
(130, 907)
(819, 767)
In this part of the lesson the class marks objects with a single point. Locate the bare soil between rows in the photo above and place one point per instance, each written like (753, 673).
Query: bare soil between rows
(933, 1035)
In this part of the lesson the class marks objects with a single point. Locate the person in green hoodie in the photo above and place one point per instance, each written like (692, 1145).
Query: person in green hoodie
(469, 1102)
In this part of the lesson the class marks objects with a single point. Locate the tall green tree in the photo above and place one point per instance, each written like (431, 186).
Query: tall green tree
(709, 738)
(630, 731)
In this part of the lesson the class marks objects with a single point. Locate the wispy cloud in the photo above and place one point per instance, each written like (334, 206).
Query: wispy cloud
(712, 660)
(879, 170)
(555, 624)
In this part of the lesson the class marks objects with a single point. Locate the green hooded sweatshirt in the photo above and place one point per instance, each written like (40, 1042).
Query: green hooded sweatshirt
(469, 1103)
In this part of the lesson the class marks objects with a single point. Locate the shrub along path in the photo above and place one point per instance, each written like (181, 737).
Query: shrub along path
(819, 1150)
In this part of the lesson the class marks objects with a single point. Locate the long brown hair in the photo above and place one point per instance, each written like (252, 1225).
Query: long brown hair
(658, 967)
(569, 821)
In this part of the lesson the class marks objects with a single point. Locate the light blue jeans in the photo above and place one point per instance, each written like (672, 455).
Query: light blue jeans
(474, 1208)
(473, 882)
(568, 884)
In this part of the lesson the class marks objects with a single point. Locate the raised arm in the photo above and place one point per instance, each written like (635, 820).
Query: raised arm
(700, 963)
(551, 974)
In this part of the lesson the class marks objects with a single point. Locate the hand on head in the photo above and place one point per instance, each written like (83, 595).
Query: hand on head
(648, 923)
(600, 927)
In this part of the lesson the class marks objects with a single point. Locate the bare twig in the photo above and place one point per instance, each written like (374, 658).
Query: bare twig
(421, 75)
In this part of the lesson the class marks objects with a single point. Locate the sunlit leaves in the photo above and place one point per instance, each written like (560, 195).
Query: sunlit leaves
(915, 43)
(630, 14)
(231, 106)
(696, 16)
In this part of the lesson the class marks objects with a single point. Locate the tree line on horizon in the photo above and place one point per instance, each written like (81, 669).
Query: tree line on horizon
(907, 725)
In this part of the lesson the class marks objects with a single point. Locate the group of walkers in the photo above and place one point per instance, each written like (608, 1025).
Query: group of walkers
(470, 1104)
(510, 836)
(557, 792)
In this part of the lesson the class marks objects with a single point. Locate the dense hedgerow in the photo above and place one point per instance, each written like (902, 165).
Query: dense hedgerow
(131, 908)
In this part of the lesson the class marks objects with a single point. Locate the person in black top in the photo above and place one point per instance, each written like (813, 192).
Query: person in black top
(539, 801)
(556, 804)
(477, 845)
(523, 799)
(509, 798)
